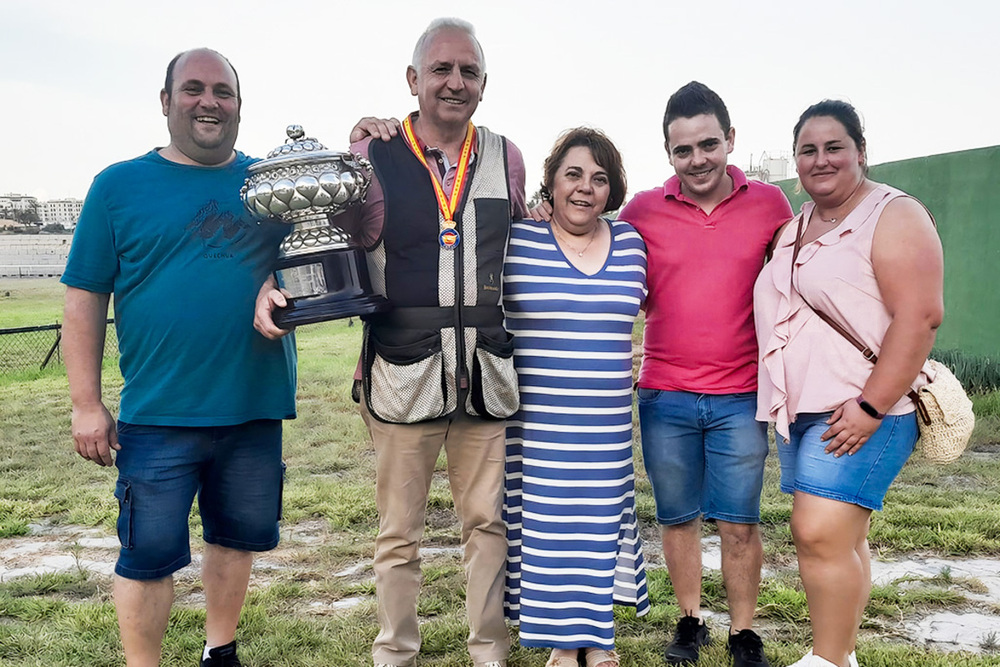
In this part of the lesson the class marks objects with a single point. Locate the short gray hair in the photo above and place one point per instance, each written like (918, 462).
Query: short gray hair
(446, 23)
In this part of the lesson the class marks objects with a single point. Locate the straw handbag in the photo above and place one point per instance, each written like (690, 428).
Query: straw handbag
(946, 417)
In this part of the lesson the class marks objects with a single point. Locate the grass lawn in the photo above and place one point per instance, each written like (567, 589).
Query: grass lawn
(30, 302)
(330, 522)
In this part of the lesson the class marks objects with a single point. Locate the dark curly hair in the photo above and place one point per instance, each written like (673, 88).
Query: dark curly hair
(605, 154)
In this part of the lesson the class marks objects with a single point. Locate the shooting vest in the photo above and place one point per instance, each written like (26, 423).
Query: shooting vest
(443, 343)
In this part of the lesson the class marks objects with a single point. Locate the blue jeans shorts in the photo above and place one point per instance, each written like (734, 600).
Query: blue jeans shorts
(236, 471)
(704, 455)
(860, 479)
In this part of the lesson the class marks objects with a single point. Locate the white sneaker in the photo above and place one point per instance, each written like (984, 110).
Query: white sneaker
(817, 661)
(805, 661)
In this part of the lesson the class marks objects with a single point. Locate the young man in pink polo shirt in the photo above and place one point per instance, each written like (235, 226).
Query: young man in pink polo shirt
(707, 232)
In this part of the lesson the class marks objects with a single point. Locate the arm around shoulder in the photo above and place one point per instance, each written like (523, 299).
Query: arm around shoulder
(378, 128)
(363, 222)
(516, 179)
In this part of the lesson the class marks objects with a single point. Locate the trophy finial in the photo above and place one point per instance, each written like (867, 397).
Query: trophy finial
(295, 132)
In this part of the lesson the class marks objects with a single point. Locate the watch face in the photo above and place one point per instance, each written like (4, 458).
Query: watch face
(869, 409)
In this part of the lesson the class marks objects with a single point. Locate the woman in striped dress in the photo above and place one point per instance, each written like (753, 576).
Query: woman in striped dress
(572, 290)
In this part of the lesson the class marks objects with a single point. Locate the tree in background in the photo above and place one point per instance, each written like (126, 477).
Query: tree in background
(25, 217)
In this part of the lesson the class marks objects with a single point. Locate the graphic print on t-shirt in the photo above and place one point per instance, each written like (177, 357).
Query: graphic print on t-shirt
(217, 229)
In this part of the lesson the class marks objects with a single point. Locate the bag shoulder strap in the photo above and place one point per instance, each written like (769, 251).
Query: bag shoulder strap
(866, 351)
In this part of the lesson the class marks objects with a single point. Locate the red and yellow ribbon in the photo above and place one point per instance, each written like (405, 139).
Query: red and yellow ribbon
(447, 203)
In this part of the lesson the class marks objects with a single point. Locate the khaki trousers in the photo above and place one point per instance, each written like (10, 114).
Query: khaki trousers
(405, 455)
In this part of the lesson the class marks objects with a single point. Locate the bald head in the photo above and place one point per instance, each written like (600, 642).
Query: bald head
(202, 106)
(168, 84)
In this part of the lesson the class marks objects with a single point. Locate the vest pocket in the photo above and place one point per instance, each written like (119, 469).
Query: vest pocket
(404, 384)
(493, 388)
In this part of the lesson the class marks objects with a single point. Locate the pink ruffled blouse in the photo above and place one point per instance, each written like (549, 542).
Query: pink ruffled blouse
(806, 366)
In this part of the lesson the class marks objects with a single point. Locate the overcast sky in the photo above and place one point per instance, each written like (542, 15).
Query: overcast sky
(79, 80)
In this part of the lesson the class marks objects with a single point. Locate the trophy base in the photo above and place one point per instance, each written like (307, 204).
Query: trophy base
(327, 285)
(323, 308)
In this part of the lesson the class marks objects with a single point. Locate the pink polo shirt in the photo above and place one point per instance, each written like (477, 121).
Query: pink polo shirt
(699, 333)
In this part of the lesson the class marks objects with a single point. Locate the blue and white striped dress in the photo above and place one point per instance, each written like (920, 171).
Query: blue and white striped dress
(573, 541)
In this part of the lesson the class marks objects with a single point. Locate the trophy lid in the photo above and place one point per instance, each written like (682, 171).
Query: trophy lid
(303, 179)
(297, 149)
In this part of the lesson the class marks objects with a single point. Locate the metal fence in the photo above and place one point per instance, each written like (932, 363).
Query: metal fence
(23, 348)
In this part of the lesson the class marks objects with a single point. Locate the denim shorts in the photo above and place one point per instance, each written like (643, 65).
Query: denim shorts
(236, 471)
(704, 455)
(860, 479)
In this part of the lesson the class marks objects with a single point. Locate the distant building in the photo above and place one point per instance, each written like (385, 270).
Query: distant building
(770, 168)
(15, 202)
(62, 211)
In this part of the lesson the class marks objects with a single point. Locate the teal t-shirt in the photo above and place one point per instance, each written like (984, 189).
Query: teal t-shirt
(184, 261)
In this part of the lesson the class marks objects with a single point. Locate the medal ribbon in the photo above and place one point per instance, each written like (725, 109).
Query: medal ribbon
(447, 204)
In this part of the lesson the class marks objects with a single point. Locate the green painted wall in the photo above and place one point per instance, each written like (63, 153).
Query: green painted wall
(962, 190)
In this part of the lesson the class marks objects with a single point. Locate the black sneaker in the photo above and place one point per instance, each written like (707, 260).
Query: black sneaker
(691, 635)
(747, 649)
(222, 656)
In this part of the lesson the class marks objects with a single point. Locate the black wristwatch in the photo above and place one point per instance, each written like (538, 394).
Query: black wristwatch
(869, 408)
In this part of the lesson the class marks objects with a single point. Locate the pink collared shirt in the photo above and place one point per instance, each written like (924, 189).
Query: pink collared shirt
(699, 334)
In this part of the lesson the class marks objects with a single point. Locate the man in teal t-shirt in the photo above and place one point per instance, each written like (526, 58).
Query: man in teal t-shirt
(204, 394)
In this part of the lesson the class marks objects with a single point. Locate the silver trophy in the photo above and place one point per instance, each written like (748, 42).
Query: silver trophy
(304, 184)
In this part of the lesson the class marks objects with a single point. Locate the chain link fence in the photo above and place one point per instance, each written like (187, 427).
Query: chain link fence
(24, 348)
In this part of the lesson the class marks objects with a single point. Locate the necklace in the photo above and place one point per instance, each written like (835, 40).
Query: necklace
(833, 221)
(593, 235)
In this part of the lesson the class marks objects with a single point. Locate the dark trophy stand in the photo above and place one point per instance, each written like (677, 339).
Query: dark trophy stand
(348, 289)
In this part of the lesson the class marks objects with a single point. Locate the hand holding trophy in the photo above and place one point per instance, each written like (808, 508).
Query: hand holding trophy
(305, 185)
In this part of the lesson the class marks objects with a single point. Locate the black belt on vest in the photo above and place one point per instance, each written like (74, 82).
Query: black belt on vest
(432, 317)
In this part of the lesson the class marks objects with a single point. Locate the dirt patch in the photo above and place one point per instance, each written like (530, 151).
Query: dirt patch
(974, 626)
(441, 519)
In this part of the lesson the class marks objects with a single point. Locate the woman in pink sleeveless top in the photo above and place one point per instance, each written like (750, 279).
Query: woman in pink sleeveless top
(869, 259)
